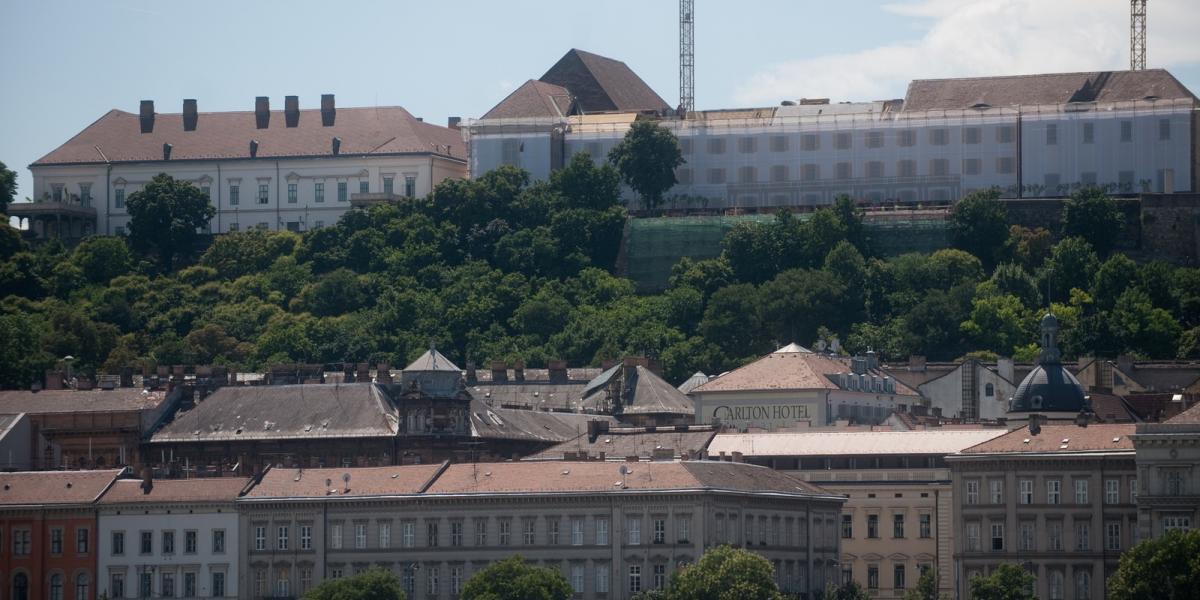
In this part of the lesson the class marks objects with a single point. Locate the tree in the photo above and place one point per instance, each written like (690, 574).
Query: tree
(514, 579)
(1090, 214)
(725, 573)
(850, 590)
(101, 258)
(927, 587)
(1070, 266)
(165, 216)
(1167, 567)
(373, 584)
(8, 187)
(979, 225)
(1007, 582)
(999, 323)
(646, 160)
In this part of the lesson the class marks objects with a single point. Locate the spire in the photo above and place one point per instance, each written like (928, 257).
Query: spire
(1050, 354)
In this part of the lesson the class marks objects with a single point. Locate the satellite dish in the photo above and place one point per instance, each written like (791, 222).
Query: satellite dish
(345, 478)
(624, 470)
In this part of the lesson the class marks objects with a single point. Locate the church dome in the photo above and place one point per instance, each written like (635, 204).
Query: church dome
(1049, 387)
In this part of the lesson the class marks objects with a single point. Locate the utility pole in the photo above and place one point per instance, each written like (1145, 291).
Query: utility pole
(1137, 35)
(687, 56)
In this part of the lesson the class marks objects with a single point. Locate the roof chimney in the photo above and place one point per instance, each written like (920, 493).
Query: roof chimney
(558, 371)
(1035, 424)
(262, 112)
(328, 113)
(189, 114)
(146, 116)
(499, 371)
(337, 145)
(166, 151)
(291, 110)
(253, 148)
(147, 480)
(453, 122)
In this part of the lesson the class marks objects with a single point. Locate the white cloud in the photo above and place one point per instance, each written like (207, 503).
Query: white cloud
(985, 37)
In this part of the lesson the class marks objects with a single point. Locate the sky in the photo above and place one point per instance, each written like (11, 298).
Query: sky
(65, 63)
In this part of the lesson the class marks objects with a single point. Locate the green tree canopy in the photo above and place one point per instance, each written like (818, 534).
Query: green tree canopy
(8, 187)
(1006, 582)
(926, 588)
(725, 573)
(1166, 568)
(514, 579)
(373, 584)
(979, 225)
(1090, 214)
(646, 159)
(166, 215)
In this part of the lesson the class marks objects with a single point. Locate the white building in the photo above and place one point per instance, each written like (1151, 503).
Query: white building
(1030, 136)
(169, 538)
(291, 169)
(1168, 464)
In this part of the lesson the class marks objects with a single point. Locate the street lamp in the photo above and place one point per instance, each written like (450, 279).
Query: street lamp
(68, 359)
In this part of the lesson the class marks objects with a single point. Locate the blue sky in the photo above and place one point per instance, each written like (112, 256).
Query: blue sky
(66, 63)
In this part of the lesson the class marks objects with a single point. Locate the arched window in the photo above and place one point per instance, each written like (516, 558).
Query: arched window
(20, 587)
(989, 390)
(56, 587)
(81, 586)
(1056, 585)
(1083, 585)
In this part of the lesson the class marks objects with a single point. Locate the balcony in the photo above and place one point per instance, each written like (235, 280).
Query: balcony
(61, 219)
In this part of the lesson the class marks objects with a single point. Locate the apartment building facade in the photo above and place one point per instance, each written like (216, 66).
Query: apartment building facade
(1168, 465)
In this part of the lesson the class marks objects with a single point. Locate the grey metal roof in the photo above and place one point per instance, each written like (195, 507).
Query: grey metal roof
(535, 425)
(696, 380)
(432, 360)
(621, 442)
(653, 395)
(312, 411)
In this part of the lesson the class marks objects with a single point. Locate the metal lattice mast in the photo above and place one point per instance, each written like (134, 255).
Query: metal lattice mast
(687, 57)
(1137, 35)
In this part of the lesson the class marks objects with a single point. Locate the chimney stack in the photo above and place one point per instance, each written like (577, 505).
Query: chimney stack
(383, 373)
(519, 370)
(291, 110)
(472, 378)
(453, 122)
(262, 112)
(147, 480)
(253, 148)
(146, 116)
(166, 151)
(1035, 424)
(558, 371)
(328, 112)
(499, 372)
(337, 145)
(190, 116)
(127, 377)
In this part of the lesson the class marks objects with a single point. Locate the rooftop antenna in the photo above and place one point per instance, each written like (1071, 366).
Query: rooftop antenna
(1137, 35)
(687, 56)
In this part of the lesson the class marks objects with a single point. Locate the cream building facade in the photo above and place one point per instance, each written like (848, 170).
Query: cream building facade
(1059, 500)
(1168, 464)
(898, 517)
(611, 531)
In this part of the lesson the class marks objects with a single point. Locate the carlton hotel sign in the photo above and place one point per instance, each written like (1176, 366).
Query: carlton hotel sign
(776, 412)
(783, 410)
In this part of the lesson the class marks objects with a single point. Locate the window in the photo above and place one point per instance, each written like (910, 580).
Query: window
(235, 193)
(810, 172)
(842, 141)
(1005, 165)
(260, 582)
(335, 536)
(1025, 541)
(1174, 482)
(747, 145)
(1051, 134)
(972, 166)
(747, 175)
(1089, 133)
(552, 531)
(996, 487)
(189, 585)
(898, 577)
(939, 167)
(1112, 491)
(1173, 522)
(81, 540)
(456, 580)
(293, 193)
(431, 580)
(1133, 491)
(1083, 585)
(847, 527)
(1026, 495)
(683, 528)
(189, 542)
(119, 197)
(602, 531)
(1081, 491)
(873, 526)
(387, 185)
(262, 193)
(939, 136)
(260, 537)
(56, 540)
(898, 526)
(660, 531)
(635, 579)
(82, 582)
(779, 173)
(577, 578)
(1164, 130)
(874, 139)
(1112, 536)
(85, 194)
(364, 187)
(167, 585)
(1126, 131)
(779, 143)
(1054, 533)
(505, 532)
(716, 146)
(480, 532)
(116, 585)
(319, 191)
(456, 533)
(341, 191)
(410, 185)
(145, 585)
(1083, 536)
(431, 534)
(281, 539)
(602, 579)
(685, 146)
(926, 526)
(875, 169)
(529, 532)
(683, 175)
(218, 584)
(147, 545)
(972, 135)
(218, 541)
(844, 170)
(233, 227)
(118, 543)
(972, 492)
(633, 528)
(576, 532)
(660, 577)
(56, 587)
(973, 537)
(997, 536)
(715, 176)
(810, 142)
(1056, 585)
(872, 577)
(57, 195)
(1053, 491)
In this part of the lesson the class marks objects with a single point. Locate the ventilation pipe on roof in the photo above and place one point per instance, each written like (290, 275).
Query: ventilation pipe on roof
(190, 115)
(166, 152)
(262, 112)
(253, 148)
(291, 110)
(146, 116)
(328, 112)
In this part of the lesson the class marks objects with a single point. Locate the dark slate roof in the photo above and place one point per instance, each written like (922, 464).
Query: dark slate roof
(533, 99)
(532, 425)
(1048, 88)
(1048, 388)
(313, 411)
(653, 395)
(226, 135)
(635, 441)
(537, 395)
(601, 84)
(73, 401)
(432, 360)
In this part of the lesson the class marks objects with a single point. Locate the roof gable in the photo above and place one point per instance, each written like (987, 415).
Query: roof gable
(602, 84)
(432, 360)
(533, 99)
(787, 371)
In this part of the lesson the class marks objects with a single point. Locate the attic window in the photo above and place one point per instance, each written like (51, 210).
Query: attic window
(981, 106)
(1026, 441)
(1116, 439)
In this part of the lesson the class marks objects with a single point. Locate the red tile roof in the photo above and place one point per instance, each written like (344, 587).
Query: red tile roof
(365, 481)
(1047, 88)
(70, 401)
(602, 84)
(53, 487)
(787, 371)
(1191, 415)
(1093, 438)
(533, 99)
(226, 135)
(212, 489)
